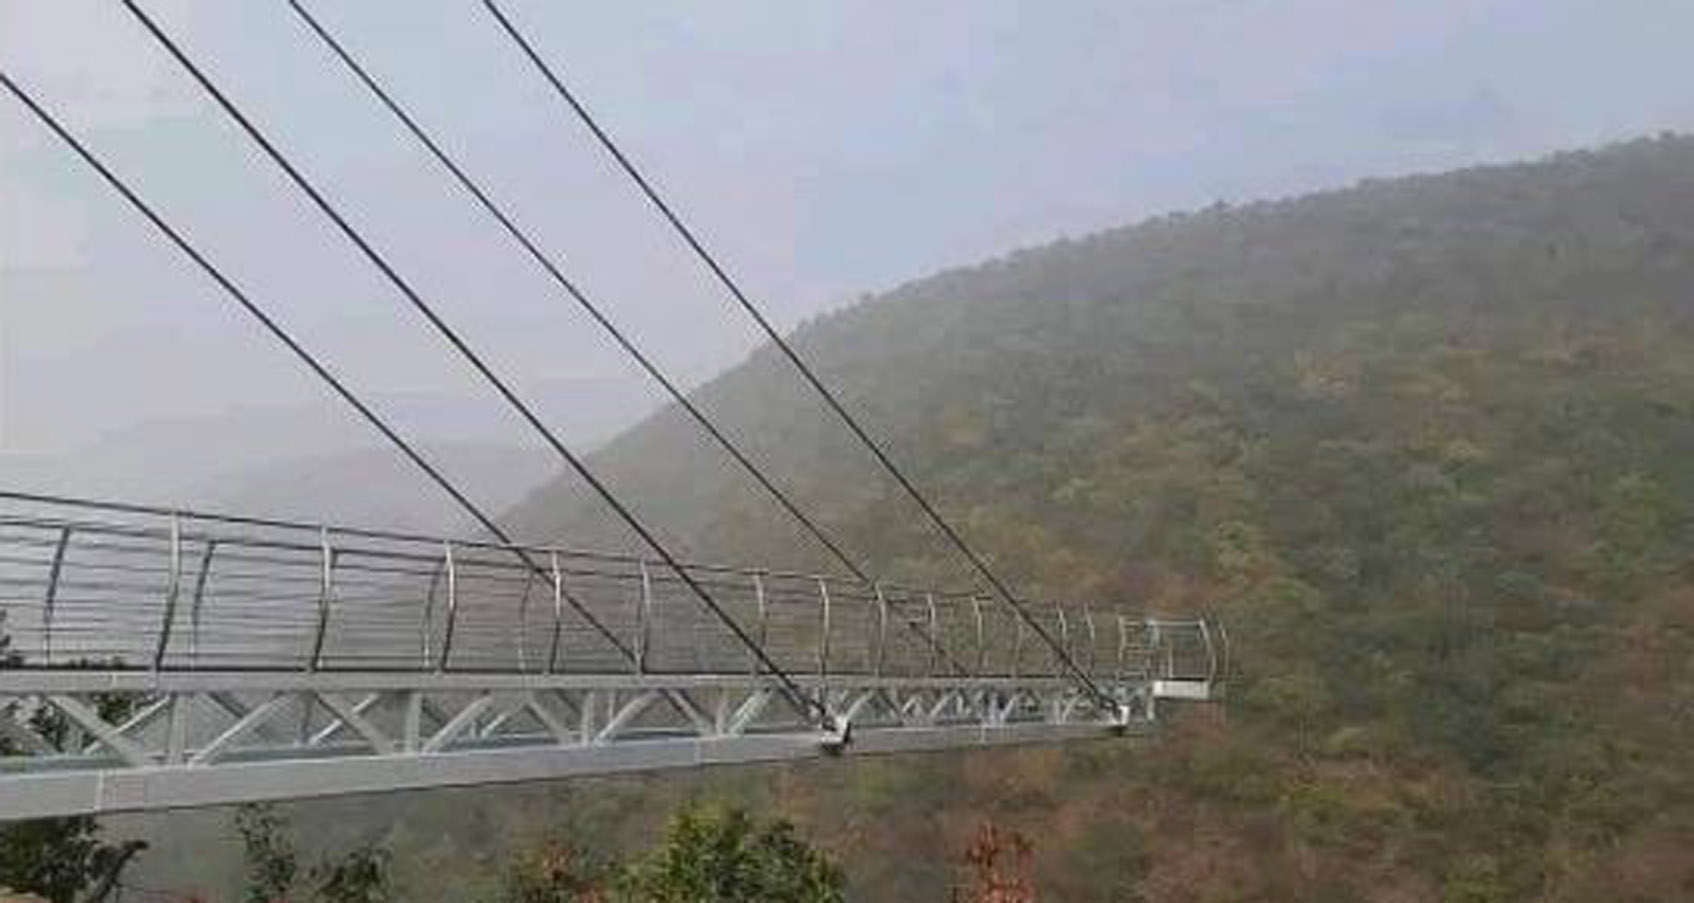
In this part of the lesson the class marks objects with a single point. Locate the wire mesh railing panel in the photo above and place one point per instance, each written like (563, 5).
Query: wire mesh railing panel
(905, 639)
(245, 603)
(1004, 638)
(1183, 650)
(853, 631)
(131, 587)
(27, 555)
(375, 607)
(105, 598)
(795, 617)
(480, 620)
(600, 621)
(1097, 640)
(958, 634)
(679, 635)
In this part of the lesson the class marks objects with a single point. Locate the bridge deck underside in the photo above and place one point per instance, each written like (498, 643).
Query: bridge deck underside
(114, 741)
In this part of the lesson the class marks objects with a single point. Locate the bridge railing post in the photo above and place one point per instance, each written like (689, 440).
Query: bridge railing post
(1064, 641)
(1225, 668)
(643, 617)
(1123, 648)
(981, 639)
(879, 655)
(1017, 650)
(1211, 651)
(51, 597)
(326, 592)
(450, 568)
(172, 590)
(1169, 650)
(198, 605)
(1226, 664)
(1093, 642)
(558, 611)
(762, 631)
(934, 633)
(426, 619)
(823, 631)
(523, 622)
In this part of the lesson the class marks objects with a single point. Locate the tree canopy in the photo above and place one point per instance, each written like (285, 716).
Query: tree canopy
(716, 854)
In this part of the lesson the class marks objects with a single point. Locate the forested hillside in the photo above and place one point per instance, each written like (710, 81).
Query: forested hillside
(1427, 444)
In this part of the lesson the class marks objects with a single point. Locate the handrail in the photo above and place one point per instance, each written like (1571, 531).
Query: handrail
(348, 597)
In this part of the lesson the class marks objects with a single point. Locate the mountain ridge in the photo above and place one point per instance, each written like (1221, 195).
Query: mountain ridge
(932, 309)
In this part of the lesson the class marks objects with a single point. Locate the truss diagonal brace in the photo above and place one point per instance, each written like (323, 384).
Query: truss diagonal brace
(458, 723)
(235, 733)
(625, 715)
(87, 719)
(353, 716)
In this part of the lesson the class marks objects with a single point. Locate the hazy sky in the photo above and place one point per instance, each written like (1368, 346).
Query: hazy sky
(824, 148)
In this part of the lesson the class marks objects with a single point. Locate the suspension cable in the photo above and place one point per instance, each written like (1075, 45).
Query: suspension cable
(550, 265)
(752, 310)
(791, 689)
(278, 332)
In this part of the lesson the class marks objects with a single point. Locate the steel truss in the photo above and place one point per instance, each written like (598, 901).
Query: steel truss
(197, 739)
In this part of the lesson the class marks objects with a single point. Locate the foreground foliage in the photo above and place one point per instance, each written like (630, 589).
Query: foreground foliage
(65, 860)
(274, 873)
(713, 854)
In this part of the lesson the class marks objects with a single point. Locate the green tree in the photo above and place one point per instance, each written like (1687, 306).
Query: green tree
(361, 876)
(714, 854)
(62, 859)
(274, 870)
(553, 871)
(272, 863)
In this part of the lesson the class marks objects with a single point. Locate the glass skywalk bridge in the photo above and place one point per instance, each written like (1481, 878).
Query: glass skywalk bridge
(158, 659)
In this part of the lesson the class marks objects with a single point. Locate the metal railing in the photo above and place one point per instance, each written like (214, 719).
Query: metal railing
(97, 584)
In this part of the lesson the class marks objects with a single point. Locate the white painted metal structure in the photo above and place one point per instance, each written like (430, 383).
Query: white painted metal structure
(163, 659)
